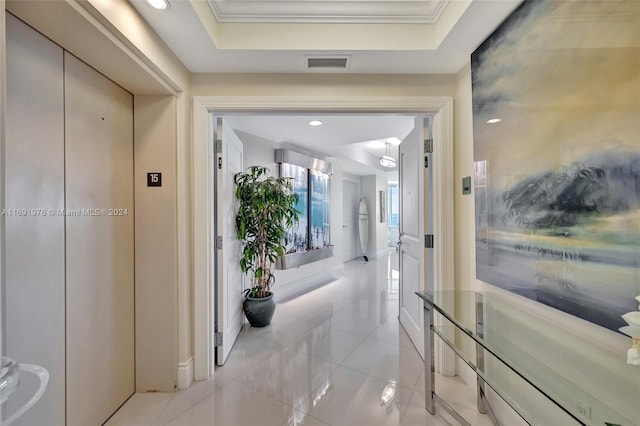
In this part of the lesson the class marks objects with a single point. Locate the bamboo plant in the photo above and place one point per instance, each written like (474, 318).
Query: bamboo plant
(266, 210)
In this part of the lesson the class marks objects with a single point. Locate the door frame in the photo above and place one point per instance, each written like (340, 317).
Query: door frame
(203, 169)
(2, 144)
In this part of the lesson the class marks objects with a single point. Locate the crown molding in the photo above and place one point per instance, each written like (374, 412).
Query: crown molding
(329, 11)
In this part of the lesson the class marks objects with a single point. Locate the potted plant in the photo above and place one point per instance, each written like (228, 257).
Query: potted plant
(266, 210)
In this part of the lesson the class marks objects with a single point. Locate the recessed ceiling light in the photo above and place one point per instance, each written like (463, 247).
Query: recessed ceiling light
(315, 123)
(494, 120)
(159, 4)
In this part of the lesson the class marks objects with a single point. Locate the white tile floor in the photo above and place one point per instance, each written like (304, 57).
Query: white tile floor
(325, 360)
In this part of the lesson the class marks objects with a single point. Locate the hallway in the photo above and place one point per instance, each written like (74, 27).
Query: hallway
(326, 359)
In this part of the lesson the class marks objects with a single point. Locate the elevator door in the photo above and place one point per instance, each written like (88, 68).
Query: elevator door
(34, 241)
(99, 244)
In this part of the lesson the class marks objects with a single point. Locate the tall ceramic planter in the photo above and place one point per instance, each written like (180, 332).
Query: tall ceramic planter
(259, 310)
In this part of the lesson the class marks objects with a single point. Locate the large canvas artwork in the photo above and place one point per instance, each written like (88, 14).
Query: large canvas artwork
(556, 120)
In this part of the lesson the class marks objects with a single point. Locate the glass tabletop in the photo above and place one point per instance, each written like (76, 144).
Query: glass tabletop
(591, 382)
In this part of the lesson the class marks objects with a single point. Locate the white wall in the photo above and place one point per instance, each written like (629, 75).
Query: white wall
(378, 232)
(604, 374)
(260, 152)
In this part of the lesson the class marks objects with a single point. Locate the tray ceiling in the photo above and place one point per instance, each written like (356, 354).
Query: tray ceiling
(328, 11)
(205, 45)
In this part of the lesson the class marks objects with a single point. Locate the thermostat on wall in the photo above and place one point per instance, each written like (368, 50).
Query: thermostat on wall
(466, 185)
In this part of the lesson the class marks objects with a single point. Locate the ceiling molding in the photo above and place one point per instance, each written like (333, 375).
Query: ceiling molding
(329, 11)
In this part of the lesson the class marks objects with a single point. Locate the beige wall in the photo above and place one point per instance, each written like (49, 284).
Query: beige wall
(154, 147)
(327, 85)
(464, 226)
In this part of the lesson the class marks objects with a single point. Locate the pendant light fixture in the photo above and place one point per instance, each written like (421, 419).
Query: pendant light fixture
(387, 160)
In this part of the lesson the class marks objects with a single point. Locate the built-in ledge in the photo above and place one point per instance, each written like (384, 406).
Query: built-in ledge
(293, 260)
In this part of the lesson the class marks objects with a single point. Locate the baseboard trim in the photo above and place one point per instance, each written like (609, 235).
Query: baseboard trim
(185, 374)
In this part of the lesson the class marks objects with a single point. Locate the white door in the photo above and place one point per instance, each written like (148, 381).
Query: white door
(228, 284)
(349, 220)
(413, 216)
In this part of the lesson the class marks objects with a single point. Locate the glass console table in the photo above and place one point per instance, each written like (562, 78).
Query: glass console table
(522, 357)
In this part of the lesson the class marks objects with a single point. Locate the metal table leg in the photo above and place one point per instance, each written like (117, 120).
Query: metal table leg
(429, 367)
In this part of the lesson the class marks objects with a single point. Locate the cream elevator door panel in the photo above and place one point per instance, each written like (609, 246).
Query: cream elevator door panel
(99, 230)
(34, 250)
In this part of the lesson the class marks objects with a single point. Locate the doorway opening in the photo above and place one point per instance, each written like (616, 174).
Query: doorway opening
(204, 190)
(352, 147)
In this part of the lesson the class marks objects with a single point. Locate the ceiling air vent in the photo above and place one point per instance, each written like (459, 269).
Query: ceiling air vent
(327, 62)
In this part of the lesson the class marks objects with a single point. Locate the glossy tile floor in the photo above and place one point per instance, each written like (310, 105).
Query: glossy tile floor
(326, 359)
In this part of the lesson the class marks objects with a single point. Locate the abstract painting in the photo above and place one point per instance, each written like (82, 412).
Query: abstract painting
(556, 122)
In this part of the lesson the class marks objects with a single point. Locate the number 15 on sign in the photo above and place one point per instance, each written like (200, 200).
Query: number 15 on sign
(154, 179)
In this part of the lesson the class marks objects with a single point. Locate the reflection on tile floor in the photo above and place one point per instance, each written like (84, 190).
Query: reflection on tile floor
(326, 359)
